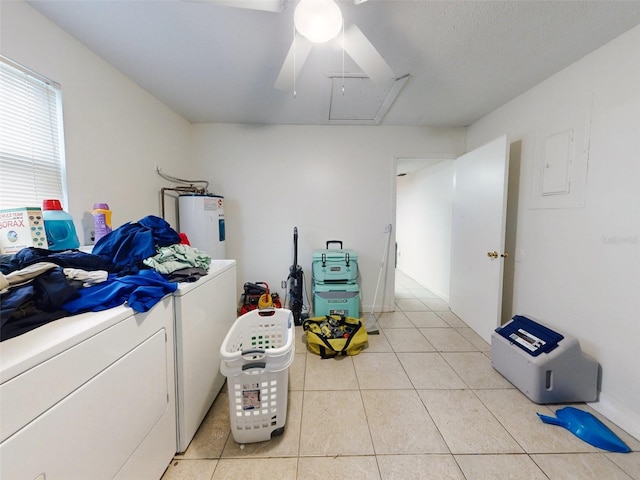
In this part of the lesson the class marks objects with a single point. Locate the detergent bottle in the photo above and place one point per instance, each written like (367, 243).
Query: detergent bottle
(101, 220)
(58, 226)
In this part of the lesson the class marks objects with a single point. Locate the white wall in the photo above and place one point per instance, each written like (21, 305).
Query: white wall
(332, 182)
(115, 132)
(579, 268)
(423, 234)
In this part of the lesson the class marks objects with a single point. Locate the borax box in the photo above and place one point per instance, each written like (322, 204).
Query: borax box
(20, 228)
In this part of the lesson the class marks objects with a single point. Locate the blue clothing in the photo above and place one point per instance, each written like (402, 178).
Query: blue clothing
(129, 244)
(50, 295)
(65, 259)
(140, 292)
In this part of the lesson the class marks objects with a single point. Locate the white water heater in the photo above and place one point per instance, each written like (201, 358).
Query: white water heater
(201, 218)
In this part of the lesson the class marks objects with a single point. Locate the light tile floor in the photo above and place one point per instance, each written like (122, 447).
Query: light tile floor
(422, 402)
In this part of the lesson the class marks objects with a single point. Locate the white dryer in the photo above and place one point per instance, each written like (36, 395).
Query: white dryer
(90, 396)
(204, 312)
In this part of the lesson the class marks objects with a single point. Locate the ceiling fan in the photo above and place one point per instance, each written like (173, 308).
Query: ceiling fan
(349, 37)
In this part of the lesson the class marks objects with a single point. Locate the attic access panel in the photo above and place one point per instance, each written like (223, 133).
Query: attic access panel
(362, 101)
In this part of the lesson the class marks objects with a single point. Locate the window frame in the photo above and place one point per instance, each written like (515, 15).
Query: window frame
(48, 171)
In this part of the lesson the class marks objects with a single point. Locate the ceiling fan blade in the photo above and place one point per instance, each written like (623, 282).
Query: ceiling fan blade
(360, 49)
(293, 63)
(265, 5)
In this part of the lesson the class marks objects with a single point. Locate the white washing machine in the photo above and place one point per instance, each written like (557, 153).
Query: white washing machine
(204, 312)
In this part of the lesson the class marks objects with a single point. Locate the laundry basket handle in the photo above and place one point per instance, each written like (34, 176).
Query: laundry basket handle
(249, 366)
(254, 353)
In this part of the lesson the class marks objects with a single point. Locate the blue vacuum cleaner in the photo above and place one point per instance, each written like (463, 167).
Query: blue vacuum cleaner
(588, 428)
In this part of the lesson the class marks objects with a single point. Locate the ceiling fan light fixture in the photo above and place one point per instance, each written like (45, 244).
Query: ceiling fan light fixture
(318, 20)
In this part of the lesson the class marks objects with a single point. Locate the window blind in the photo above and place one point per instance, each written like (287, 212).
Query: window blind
(31, 138)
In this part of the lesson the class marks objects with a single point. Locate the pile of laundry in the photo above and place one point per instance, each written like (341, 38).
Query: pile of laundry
(137, 264)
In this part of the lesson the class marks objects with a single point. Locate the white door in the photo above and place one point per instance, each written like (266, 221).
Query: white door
(478, 235)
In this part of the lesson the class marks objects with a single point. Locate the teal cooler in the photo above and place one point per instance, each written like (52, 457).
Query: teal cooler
(336, 299)
(335, 265)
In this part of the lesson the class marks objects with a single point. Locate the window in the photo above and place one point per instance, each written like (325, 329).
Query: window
(31, 138)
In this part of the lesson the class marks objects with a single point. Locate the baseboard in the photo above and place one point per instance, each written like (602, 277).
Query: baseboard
(366, 310)
(622, 416)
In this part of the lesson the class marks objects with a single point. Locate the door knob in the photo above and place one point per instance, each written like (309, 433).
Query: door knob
(493, 254)
(505, 255)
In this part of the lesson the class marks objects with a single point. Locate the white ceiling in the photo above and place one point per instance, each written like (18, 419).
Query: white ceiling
(213, 64)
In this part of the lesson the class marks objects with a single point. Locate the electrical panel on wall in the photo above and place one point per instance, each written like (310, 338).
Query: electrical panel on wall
(561, 158)
(557, 154)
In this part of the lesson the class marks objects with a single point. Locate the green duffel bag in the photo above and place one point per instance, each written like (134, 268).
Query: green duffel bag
(334, 335)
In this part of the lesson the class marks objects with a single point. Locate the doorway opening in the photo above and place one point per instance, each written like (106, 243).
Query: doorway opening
(424, 196)
(424, 201)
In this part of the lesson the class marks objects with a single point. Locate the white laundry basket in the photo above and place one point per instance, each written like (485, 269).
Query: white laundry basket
(255, 358)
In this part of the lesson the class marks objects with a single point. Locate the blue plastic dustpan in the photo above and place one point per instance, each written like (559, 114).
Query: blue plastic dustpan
(588, 428)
